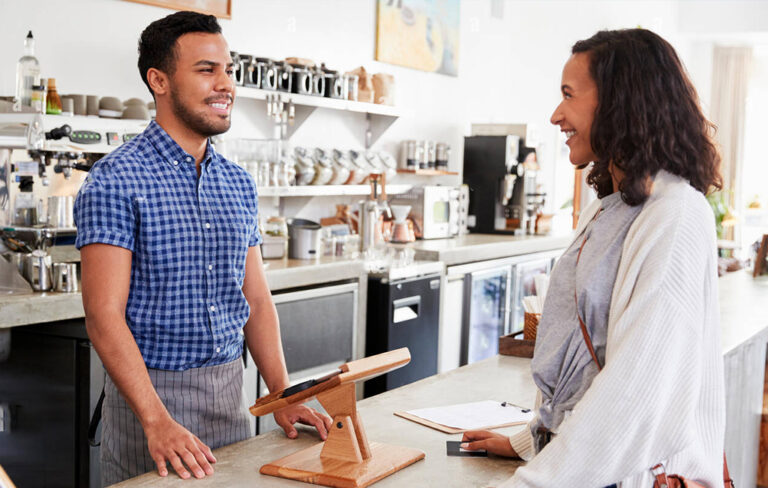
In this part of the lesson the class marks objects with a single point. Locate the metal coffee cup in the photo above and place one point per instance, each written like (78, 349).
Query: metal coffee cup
(37, 270)
(65, 277)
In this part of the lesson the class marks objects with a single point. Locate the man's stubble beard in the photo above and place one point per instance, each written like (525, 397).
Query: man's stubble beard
(196, 122)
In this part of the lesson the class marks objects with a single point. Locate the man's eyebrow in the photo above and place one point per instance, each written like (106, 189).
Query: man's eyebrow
(206, 62)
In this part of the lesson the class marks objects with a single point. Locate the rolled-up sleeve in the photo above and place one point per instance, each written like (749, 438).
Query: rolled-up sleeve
(103, 213)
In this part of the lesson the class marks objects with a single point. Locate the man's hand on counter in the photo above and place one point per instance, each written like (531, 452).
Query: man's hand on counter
(169, 441)
(286, 417)
(490, 441)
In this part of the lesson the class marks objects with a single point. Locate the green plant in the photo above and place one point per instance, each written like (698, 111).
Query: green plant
(718, 200)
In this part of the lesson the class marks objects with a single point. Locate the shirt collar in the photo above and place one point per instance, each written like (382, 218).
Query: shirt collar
(172, 153)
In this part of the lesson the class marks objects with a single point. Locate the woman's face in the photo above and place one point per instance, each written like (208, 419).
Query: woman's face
(576, 112)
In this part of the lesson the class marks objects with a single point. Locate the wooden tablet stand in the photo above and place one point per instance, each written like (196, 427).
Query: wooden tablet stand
(346, 458)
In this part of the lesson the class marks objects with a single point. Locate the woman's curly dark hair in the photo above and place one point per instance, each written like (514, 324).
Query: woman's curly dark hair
(647, 117)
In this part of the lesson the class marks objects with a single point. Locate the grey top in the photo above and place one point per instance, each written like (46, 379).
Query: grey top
(562, 366)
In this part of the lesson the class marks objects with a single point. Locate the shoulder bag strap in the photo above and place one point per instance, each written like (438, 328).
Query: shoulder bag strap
(584, 331)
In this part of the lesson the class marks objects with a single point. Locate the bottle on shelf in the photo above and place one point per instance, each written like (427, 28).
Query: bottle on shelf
(52, 101)
(27, 75)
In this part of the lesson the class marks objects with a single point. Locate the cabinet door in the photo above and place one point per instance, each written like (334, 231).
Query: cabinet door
(451, 313)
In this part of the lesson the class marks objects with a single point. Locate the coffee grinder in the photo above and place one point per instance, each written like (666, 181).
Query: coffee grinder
(500, 172)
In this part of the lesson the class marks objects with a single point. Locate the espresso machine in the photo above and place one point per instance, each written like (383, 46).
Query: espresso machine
(500, 172)
(43, 161)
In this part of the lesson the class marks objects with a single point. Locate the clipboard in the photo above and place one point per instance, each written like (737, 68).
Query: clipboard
(450, 430)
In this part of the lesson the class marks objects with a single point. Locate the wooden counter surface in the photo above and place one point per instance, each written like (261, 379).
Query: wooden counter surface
(501, 378)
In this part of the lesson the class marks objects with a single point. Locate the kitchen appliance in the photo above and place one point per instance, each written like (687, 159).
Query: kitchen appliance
(434, 210)
(303, 239)
(49, 388)
(404, 311)
(401, 232)
(37, 270)
(371, 210)
(483, 301)
(318, 330)
(65, 277)
(33, 144)
(500, 174)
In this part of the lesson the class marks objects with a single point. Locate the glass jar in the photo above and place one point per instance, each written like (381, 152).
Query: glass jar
(287, 175)
(305, 167)
(276, 226)
(389, 163)
(264, 172)
(342, 168)
(323, 168)
(360, 167)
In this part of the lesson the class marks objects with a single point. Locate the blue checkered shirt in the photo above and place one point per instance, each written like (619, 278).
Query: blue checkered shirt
(189, 237)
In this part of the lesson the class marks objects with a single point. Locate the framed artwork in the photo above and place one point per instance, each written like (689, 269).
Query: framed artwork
(419, 34)
(219, 8)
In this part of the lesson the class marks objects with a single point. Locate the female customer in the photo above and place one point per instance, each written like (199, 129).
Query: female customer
(628, 360)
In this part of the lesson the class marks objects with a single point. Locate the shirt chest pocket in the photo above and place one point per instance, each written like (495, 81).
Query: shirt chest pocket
(169, 236)
(234, 230)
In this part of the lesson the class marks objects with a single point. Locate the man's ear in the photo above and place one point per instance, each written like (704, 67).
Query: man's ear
(158, 81)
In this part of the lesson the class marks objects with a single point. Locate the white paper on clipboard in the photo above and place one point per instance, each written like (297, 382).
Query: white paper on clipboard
(475, 415)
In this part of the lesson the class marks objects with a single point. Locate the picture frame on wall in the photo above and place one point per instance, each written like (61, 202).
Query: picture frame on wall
(419, 34)
(220, 8)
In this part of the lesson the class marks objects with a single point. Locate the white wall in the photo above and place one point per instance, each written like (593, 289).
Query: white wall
(509, 68)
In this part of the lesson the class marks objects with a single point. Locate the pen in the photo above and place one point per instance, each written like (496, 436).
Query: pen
(522, 409)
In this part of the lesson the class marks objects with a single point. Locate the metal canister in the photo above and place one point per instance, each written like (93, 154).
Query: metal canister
(443, 152)
(350, 83)
(61, 211)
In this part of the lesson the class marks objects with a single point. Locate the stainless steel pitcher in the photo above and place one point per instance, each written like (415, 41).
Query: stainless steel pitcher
(37, 270)
(65, 277)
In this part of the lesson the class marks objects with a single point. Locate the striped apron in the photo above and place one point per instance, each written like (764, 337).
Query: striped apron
(208, 401)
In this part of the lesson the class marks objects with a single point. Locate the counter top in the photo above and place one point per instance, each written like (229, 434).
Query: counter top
(44, 307)
(743, 312)
(238, 464)
(481, 247)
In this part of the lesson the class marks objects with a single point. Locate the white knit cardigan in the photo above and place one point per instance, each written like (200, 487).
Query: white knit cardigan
(660, 396)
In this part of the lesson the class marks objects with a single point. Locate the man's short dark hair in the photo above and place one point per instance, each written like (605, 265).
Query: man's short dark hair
(157, 44)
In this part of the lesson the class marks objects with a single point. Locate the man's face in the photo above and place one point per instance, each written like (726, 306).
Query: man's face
(202, 89)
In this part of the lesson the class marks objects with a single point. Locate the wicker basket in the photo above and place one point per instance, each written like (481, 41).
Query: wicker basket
(530, 325)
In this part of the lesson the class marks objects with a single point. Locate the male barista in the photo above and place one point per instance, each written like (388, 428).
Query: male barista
(172, 275)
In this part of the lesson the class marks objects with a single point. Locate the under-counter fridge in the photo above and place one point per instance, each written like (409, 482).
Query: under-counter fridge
(483, 301)
(49, 388)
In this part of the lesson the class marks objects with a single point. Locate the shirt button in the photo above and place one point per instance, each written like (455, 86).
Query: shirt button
(175, 163)
(207, 225)
(218, 349)
(210, 267)
(213, 308)
(189, 160)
